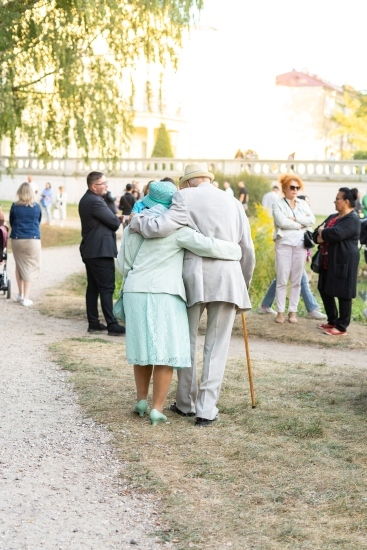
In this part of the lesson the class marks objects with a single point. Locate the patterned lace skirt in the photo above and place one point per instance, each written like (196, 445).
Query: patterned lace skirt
(157, 330)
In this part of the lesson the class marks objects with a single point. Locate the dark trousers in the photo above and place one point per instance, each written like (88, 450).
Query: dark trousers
(341, 320)
(101, 282)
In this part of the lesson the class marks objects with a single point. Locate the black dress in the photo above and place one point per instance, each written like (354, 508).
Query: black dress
(339, 280)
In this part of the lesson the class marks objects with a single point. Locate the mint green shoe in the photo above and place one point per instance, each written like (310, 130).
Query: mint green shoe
(141, 407)
(156, 417)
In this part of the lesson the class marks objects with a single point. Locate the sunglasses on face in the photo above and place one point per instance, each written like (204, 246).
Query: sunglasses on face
(293, 188)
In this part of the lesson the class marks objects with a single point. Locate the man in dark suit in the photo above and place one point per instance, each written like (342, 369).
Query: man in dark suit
(98, 250)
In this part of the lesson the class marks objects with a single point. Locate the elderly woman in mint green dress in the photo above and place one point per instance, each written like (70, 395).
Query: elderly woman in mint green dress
(157, 330)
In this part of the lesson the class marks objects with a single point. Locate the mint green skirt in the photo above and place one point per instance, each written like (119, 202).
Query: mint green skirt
(157, 330)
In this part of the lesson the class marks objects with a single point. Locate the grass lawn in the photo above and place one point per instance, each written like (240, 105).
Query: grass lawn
(52, 235)
(72, 209)
(289, 474)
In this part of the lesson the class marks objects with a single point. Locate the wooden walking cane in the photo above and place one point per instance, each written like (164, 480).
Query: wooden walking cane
(245, 337)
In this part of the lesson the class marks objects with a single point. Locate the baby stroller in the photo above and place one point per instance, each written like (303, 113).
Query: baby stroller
(5, 284)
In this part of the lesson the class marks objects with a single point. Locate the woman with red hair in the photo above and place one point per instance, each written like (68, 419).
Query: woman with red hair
(292, 216)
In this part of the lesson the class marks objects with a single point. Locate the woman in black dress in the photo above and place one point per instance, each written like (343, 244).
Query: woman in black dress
(338, 238)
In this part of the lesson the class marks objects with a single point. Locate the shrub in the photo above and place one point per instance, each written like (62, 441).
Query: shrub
(262, 228)
(256, 187)
(163, 146)
(360, 155)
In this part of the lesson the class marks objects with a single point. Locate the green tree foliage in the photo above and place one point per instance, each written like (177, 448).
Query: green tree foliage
(65, 66)
(360, 155)
(352, 119)
(163, 146)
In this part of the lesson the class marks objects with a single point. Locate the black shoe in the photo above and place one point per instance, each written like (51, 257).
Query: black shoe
(98, 327)
(204, 421)
(175, 409)
(116, 330)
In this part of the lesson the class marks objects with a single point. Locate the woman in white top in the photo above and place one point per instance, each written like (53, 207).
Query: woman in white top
(292, 216)
(61, 201)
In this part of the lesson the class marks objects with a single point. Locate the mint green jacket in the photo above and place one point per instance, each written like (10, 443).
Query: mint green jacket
(157, 267)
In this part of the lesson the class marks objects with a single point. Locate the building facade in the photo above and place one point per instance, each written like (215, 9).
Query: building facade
(306, 105)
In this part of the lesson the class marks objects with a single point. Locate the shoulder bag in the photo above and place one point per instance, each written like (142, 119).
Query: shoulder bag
(308, 240)
(316, 261)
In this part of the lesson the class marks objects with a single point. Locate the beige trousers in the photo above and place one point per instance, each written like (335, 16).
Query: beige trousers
(203, 401)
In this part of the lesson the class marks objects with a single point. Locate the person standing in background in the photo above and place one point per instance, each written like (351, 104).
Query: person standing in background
(127, 202)
(338, 237)
(228, 189)
(61, 201)
(25, 218)
(291, 217)
(34, 188)
(98, 250)
(270, 198)
(46, 202)
(243, 195)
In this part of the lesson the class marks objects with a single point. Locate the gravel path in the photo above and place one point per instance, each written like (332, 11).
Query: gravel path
(59, 476)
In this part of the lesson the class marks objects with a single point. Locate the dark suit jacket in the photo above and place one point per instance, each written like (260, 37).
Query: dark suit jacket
(99, 226)
(127, 202)
(343, 253)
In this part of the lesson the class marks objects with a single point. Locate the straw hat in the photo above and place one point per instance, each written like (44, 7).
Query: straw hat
(160, 192)
(198, 170)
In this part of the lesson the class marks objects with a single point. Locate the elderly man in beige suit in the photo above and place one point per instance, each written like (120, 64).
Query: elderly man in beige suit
(219, 286)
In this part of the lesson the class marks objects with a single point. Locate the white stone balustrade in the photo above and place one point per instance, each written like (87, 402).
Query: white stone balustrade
(352, 170)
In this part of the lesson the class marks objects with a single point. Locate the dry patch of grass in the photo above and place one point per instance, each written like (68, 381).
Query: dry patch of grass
(52, 235)
(289, 474)
(67, 300)
(305, 332)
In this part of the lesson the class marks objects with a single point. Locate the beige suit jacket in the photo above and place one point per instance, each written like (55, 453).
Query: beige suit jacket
(213, 213)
